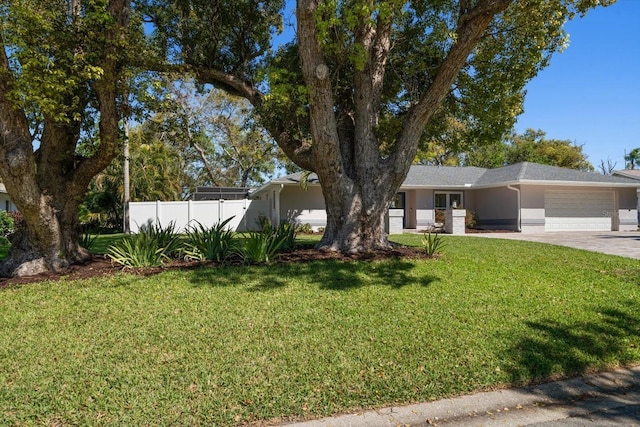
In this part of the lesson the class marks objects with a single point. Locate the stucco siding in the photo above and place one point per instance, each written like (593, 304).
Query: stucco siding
(303, 206)
(424, 208)
(496, 208)
(628, 209)
(6, 204)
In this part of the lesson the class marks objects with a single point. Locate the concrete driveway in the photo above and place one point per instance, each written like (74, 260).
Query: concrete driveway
(621, 243)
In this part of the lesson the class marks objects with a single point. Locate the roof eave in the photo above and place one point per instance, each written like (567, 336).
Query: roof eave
(560, 183)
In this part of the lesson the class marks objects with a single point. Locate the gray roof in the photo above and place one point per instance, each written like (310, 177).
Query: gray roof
(629, 173)
(528, 172)
(470, 177)
(295, 178)
(443, 176)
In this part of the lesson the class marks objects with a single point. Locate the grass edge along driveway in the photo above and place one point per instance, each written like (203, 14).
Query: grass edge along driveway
(228, 346)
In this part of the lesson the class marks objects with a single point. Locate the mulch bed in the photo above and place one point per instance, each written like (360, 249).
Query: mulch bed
(101, 266)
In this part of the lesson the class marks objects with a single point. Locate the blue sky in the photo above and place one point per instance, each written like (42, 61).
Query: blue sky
(590, 94)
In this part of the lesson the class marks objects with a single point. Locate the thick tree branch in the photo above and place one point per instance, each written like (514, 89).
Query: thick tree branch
(471, 27)
(300, 152)
(316, 74)
(368, 85)
(107, 93)
(16, 145)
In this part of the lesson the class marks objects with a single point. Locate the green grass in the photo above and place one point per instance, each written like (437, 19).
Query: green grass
(225, 346)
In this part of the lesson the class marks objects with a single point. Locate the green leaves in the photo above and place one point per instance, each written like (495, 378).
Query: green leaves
(56, 52)
(215, 243)
(432, 243)
(150, 247)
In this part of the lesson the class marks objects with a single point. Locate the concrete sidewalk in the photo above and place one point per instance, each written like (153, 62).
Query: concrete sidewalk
(605, 399)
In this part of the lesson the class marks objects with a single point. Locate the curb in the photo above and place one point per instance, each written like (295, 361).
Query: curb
(518, 406)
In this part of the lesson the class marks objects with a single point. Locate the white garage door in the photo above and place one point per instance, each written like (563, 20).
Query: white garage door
(578, 210)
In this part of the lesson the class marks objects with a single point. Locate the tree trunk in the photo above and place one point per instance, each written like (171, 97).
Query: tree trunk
(355, 218)
(51, 246)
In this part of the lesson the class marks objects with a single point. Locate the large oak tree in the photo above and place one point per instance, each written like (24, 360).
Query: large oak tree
(62, 65)
(375, 76)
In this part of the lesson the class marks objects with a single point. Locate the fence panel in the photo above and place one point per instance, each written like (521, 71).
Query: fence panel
(245, 213)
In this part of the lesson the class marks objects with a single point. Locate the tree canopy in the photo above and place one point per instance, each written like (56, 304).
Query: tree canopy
(530, 146)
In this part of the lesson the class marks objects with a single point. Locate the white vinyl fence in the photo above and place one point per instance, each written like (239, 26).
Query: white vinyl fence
(245, 213)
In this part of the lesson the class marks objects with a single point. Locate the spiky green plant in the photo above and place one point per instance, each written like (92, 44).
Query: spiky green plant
(137, 251)
(87, 240)
(260, 247)
(150, 247)
(166, 238)
(216, 243)
(432, 243)
(287, 232)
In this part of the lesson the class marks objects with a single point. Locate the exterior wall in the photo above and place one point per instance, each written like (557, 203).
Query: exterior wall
(533, 206)
(6, 204)
(496, 208)
(628, 209)
(420, 206)
(303, 206)
(424, 215)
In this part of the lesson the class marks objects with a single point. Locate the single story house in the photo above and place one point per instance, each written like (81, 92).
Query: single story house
(527, 197)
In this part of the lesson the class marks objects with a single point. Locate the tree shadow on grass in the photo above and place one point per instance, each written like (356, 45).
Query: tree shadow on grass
(551, 349)
(328, 275)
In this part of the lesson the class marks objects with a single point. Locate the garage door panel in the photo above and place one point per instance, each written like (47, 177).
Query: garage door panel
(578, 210)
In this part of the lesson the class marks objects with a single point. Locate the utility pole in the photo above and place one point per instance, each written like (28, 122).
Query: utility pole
(126, 195)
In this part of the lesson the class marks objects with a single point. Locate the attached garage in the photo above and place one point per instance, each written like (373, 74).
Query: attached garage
(579, 210)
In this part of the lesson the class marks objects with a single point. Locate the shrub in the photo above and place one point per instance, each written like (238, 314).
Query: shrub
(432, 243)
(215, 243)
(149, 248)
(87, 240)
(137, 251)
(263, 222)
(165, 238)
(287, 232)
(470, 220)
(261, 246)
(304, 229)
(7, 224)
(17, 219)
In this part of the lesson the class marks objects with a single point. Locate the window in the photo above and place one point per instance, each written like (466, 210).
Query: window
(444, 201)
(398, 201)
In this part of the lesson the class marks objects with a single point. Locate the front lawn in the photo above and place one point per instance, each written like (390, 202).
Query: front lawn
(231, 345)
